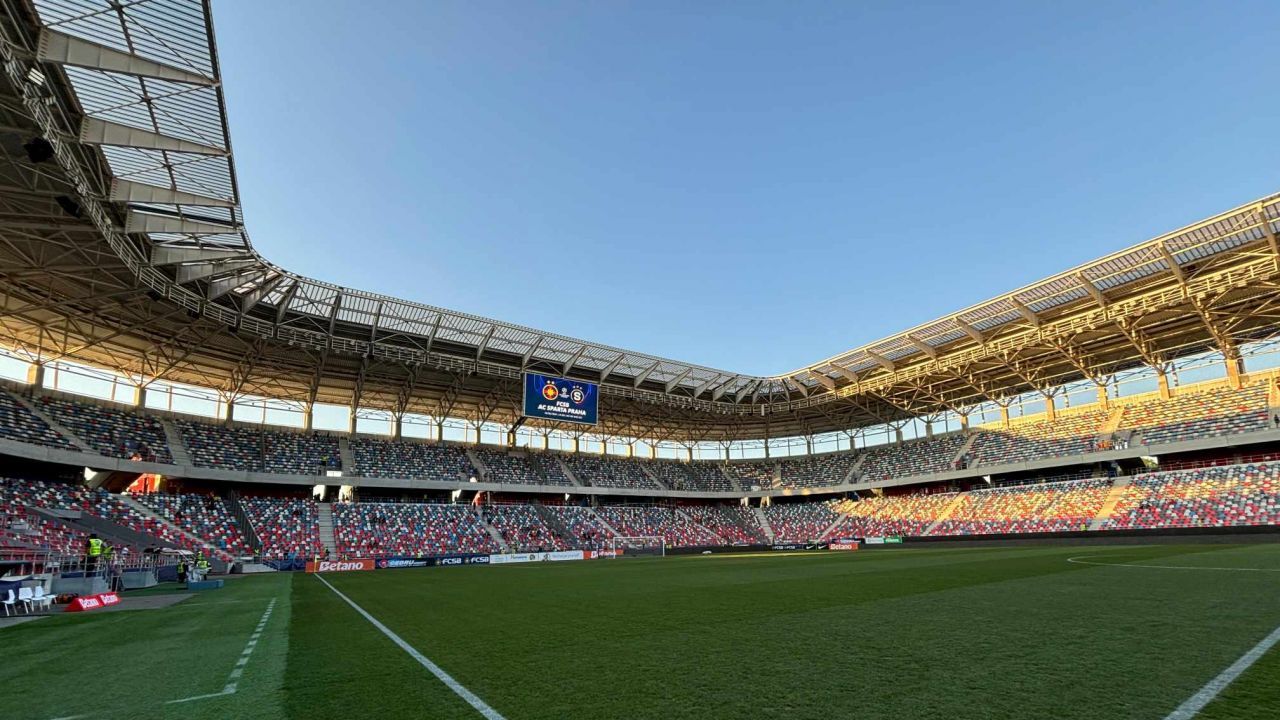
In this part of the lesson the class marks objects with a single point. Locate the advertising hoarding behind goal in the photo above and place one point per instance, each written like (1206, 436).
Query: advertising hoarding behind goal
(559, 399)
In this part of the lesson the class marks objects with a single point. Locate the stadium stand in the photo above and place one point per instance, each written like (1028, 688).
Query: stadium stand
(799, 522)
(1208, 497)
(20, 424)
(917, 457)
(501, 467)
(697, 476)
(1215, 413)
(30, 530)
(523, 529)
(580, 528)
(548, 468)
(1054, 507)
(285, 526)
(818, 470)
(1074, 434)
(114, 433)
(229, 448)
(410, 529)
(891, 515)
(202, 515)
(389, 459)
(299, 453)
(755, 474)
(661, 522)
(607, 472)
(736, 525)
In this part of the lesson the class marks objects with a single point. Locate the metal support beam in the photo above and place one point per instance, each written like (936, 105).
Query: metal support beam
(1025, 311)
(129, 191)
(104, 132)
(881, 360)
(1092, 289)
(56, 47)
(923, 347)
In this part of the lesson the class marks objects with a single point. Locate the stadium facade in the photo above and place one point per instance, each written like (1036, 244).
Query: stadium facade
(125, 249)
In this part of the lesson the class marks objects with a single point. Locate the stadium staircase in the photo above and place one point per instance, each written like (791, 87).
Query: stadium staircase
(344, 454)
(177, 448)
(764, 524)
(653, 478)
(855, 469)
(1114, 496)
(552, 521)
(1107, 433)
(210, 550)
(110, 532)
(568, 472)
(689, 519)
(601, 521)
(946, 513)
(324, 522)
(493, 531)
(476, 463)
(54, 424)
(964, 449)
(733, 479)
(232, 500)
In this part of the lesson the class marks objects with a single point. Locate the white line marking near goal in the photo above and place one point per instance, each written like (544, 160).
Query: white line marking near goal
(1196, 703)
(233, 678)
(472, 699)
(1080, 560)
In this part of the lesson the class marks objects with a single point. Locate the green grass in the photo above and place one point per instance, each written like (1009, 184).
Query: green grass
(993, 633)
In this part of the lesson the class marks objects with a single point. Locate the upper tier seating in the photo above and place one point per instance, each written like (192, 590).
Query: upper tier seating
(204, 516)
(697, 476)
(658, 522)
(1207, 497)
(799, 522)
(734, 524)
(549, 468)
(1216, 413)
(229, 448)
(1054, 507)
(1074, 434)
(607, 472)
(299, 454)
(388, 459)
(408, 529)
(758, 474)
(917, 457)
(524, 530)
(114, 433)
(20, 424)
(285, 526)
(818, 470)
(503, 468)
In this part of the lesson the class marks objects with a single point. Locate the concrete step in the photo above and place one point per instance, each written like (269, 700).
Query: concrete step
(764, 524)
(1114, 496)
(612, 530)
(177, 447)
(345, 455)
(57, 427)
(653, 478)
(568, 472)
(146, 511)
(946, 512)
(324, 522)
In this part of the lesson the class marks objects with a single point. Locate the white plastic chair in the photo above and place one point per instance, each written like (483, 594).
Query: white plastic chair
(24, 596)
(40, 599)
(8, 603)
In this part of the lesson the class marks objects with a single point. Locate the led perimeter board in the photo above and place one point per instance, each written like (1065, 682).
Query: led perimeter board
(553, 398)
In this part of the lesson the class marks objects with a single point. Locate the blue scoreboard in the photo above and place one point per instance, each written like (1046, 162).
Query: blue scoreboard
(553, 398)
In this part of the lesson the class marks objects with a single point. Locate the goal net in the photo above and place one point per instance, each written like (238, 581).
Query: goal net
(637, 546)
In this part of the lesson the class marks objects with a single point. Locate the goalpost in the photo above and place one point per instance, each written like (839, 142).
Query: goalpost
(636, 546)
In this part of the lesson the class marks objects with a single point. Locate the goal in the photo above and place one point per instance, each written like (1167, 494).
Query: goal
(637, 546)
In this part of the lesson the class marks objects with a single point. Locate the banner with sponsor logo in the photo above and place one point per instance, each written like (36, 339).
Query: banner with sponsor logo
(798, 546)
(319, 566)
(92, 602)
(392, 563)
(891, 540)
(841, 545)
(558, 556)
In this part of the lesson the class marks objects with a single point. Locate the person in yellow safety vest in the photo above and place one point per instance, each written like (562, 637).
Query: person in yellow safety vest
(182, 571)
(93, 549)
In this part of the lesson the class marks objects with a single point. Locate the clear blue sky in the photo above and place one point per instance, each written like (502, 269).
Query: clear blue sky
(750, 186)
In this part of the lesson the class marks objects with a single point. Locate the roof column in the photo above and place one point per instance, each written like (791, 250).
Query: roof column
(1004, 416)
(397, 427)
(1235, 367)
(308, 417)
(928, 429)
(1104, 398)
(1050, 408)
(1162, 381)
(35, 375)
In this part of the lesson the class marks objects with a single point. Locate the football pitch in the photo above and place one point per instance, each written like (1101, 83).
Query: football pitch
(1061, 632)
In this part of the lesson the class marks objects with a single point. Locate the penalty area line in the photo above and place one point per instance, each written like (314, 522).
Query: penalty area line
(471, 698)
(1196, 703)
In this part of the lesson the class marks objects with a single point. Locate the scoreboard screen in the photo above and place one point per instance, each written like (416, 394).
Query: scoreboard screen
(553, 398)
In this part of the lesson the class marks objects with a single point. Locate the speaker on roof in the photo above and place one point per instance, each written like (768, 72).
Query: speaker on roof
(38, 150)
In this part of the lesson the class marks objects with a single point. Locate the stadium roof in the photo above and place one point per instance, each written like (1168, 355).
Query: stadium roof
(129, 95)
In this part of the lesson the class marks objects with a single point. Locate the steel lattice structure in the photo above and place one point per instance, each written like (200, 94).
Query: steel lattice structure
(126, 249)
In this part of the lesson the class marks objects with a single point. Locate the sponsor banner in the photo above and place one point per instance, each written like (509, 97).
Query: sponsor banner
(600, 554)
(798, 546)
(319, 566)
(93, 602)
(843, 546)
(893, 540)
(393, 563)
(553, 398)
(846, 541)
(509, 558)
(873, 540)
(403, 562)
(890, 540)
(562, 555)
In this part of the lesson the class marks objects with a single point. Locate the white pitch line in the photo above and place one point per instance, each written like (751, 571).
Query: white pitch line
(233, 678)
(472, 699)
(1196, 703)
(1079, 560)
